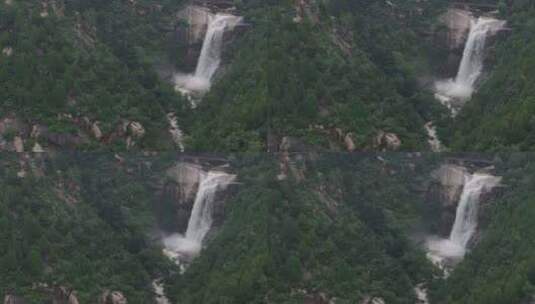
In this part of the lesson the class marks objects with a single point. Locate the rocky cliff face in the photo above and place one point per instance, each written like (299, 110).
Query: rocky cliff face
(443, 194)
(178, 193)
(452, 37)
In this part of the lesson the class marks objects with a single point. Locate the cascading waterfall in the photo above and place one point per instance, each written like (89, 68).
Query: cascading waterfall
(467, 211)
(210, 57)
(187, 246)
(200, 220)
(454, 92)
(465, 225)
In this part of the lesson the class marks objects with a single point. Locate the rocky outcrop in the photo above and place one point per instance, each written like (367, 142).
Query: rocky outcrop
(349, 141)
(190, 31)
(64, 295)
(443, 194)
(372, 300)
(12, 299)
(197, 18)
(178, 194)
(457, 22)
(387, 141)
(306, 9)
(95, 129)
(7, 51)
(112, 297)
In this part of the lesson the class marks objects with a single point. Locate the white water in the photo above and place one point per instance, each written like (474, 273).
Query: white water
(432, 138)
(180, 247)
(465, 225)
(421, 294)
(159, 293)
(176, 133)
(454, 92)
(210, 57)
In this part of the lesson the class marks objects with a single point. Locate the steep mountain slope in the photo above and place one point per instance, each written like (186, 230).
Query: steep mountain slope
(501, 268)
(338, 75)
(82, 73)
(320, 234)
(500, 116)
(76, 223)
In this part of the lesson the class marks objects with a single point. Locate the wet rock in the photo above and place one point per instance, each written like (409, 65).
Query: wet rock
(444, 193)
(451, 179)
(197, 18)
(458, 23)
(178, 195)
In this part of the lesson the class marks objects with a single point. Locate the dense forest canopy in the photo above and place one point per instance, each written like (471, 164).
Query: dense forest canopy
(92, 85)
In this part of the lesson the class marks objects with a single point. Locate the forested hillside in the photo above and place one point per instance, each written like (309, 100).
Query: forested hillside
(500, 117)
(267, 151)
(76, 223)
(83, 71)
(501, 268)
(344, 68)
(319, 235)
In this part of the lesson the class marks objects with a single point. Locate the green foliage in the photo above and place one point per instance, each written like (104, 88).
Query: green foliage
(353, 70)
(79, 226)
(500, 116)
(94, 59)
(281, 236)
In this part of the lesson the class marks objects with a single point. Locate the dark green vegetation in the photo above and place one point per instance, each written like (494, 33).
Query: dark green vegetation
(339, 226)
(323, 232)
(350, 65)
(78, 221)
(501, 115)
(90, 59)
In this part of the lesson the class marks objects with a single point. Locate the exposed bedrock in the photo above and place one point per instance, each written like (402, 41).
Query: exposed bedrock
(178, 192)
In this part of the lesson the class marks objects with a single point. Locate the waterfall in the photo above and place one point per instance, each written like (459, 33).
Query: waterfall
(179, 247)
(454, 92)
(210, 57)
(200, 220)
(465, 225)
(467, 211)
